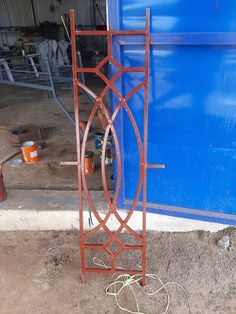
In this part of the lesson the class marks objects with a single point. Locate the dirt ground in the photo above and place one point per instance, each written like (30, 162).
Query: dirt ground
(40, 273)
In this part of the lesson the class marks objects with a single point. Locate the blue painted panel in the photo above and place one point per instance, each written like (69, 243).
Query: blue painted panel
(178, 15)
(192, 105)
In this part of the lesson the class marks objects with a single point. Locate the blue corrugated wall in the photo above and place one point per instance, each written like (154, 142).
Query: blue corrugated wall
(192, 105)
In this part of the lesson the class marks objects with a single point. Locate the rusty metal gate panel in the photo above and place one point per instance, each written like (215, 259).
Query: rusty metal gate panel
(142, 149)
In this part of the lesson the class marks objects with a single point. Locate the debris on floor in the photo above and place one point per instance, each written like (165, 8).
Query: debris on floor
(223, 242)
(24, 133)
(15, 162)
(50, 169)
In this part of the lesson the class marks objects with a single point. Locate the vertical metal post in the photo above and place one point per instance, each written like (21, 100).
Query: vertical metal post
(145, 140)
(54, 94)
(77, 120)
(33, 66)
(8, 71)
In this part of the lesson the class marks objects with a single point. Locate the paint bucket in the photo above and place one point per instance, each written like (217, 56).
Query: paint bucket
(88, 163)
(30, 153)
(3, 193)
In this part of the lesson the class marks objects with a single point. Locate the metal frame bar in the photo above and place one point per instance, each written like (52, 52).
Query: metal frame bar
(39, 80)
(45, 78)
(181, 39)
(142, 148)
(185, 212)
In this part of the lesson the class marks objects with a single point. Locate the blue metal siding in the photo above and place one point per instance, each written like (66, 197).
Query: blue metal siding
(192, 105)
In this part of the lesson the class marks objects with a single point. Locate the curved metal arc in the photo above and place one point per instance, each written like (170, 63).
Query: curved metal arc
(88, 90)
(88, 197)
(103, 93)
(103, 222)
(120, 98)
(91, 118)
(105, 188)
(123, 103)
(110, 126)
(112, 206)
(124, 222)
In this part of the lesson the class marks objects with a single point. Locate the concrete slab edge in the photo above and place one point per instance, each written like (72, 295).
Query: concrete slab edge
(25, 219)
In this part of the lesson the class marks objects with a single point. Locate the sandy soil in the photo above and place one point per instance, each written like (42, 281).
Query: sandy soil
(37, 278)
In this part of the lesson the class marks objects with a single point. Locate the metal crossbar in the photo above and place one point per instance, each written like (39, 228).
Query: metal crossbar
(27, 74)
(81, 148)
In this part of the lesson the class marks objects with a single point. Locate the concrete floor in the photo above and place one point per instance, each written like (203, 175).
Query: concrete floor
(58, 210)
(15, 102)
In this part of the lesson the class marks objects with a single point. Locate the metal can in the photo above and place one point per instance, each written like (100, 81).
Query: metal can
(89, 163)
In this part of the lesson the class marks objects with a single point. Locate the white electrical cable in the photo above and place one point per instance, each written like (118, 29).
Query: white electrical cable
(99, 262)
(125, 280)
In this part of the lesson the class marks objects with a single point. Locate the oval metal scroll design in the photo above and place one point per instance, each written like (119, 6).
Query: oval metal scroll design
(142, 149)
(110, 127)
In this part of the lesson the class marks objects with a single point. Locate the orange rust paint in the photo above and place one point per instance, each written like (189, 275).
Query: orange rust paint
(3, 193)
(89, 163)
(30, 153)
(82, 125)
